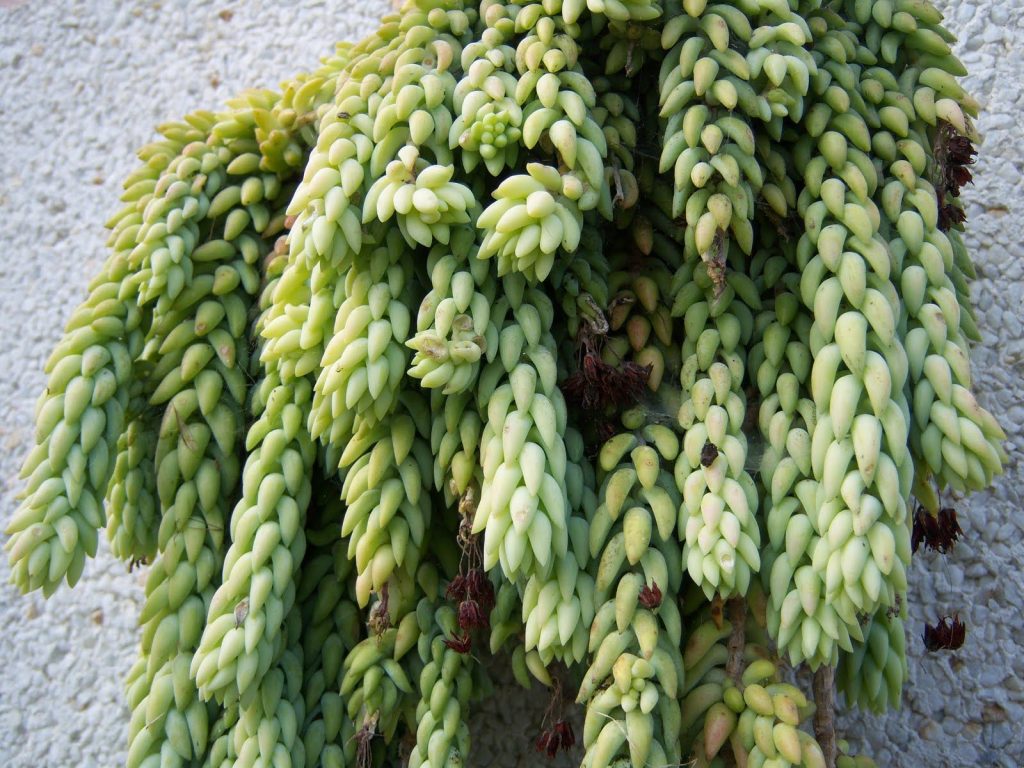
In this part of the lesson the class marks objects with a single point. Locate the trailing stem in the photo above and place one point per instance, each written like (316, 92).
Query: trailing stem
(825, 714)
(737, 640)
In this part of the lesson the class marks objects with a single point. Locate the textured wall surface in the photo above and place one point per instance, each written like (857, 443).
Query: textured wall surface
(82, 84)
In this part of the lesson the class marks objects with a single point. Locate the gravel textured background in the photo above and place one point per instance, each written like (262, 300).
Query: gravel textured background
(82, 84)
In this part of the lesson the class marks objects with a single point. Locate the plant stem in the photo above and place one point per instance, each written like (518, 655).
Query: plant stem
(825, 714)
(737, 609)
(737, 640)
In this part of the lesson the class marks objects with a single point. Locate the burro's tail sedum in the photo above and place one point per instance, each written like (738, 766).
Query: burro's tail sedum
(624, 340)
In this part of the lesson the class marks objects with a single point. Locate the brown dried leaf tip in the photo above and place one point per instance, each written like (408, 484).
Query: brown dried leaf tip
(947, 635)
(241, 611)
(708, 454)
(380, 614)
(937, 532)
(650, 597)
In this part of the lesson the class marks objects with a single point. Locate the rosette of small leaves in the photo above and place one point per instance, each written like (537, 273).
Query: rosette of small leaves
(491, 133)
(534, 215)
(423, 197)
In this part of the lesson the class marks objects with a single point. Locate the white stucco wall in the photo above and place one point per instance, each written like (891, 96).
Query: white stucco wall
(83, 82)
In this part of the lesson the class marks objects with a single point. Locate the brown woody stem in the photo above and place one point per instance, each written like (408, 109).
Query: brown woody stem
(737, 639)
(825, 713)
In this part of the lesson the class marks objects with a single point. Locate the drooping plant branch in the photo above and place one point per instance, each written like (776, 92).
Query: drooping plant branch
(619, 335)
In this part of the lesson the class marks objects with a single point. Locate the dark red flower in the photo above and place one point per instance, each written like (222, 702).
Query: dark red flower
(547, 742)
(596, 385)
(606, 430)
(958, 177)
(560, 736)
(565, 734)
(480, 589)
(947, 635)
(923, 523)
(471, 616)
(937, 532)
(457, 589)
(950, 215)
(959, 155)
(954, 154)
(474, 594)
(459, 643)
(650, 597)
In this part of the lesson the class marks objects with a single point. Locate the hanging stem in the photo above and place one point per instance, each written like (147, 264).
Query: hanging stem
(737, 639)
(737, 609)
(825, 714)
